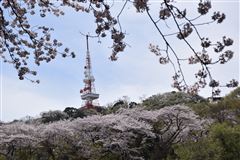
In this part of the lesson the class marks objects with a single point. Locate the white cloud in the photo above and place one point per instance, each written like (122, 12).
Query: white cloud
(20, 100)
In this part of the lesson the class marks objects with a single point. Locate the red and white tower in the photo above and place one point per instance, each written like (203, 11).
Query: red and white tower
(88, 93)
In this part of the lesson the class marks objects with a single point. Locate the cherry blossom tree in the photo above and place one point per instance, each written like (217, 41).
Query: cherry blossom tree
(22, 44)
(129, 133)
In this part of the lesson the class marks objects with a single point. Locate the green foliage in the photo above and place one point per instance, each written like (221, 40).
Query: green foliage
(89, 112)
(228, 138)
(171, 98)
(52, 116)
(203, 149)
(110, 156)
(2, 158)
(202, 108)
(221, 143)
(83, 112)
(116, 106)
(72, 112)
(235, 94)
(225, 110)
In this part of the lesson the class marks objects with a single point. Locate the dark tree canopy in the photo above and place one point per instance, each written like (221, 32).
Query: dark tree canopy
(21, 43)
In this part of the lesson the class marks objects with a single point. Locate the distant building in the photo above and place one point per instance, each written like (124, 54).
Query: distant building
(214, 99)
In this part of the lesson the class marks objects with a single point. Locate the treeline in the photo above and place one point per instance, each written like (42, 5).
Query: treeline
(170, 126)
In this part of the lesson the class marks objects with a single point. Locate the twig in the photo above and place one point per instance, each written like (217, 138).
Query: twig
(118, 16)
(167, 43)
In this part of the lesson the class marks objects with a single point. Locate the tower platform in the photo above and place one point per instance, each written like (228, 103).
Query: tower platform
(89, 96)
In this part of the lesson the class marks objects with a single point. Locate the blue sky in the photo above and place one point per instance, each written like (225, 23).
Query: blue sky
(136, 74)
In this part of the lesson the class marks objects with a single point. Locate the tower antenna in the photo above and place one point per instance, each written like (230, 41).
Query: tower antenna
(88, 93)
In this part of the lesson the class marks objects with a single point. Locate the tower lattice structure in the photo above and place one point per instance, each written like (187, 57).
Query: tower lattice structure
(88, 93)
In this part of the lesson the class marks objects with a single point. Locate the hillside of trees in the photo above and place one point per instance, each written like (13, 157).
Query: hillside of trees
(169, 126)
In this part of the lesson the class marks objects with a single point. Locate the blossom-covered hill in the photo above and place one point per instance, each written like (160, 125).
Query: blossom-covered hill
(169, 126)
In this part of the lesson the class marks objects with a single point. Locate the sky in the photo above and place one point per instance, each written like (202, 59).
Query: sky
(136, 74)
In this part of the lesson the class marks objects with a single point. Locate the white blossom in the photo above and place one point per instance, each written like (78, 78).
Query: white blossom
(117, 131)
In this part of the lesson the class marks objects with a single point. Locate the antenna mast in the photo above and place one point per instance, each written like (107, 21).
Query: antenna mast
(88, 93)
